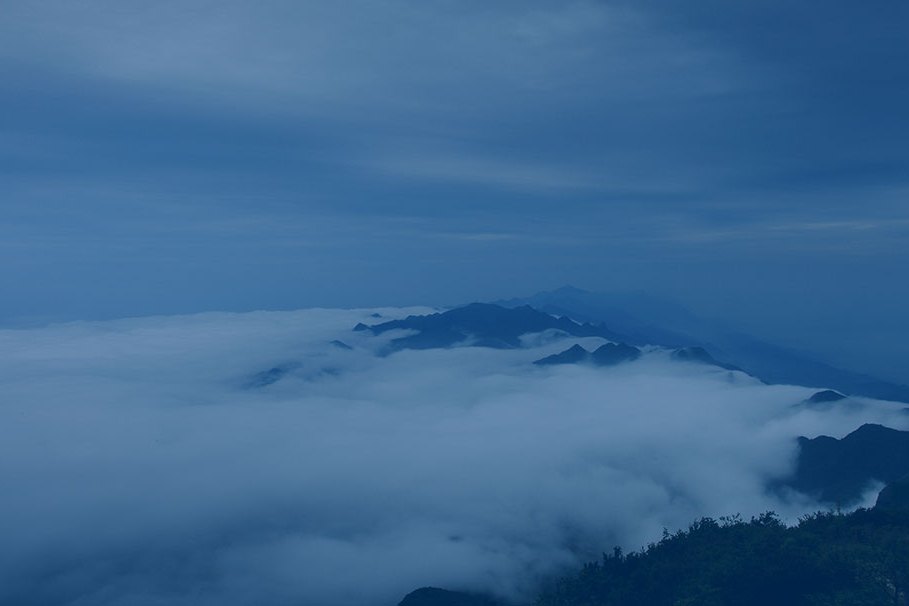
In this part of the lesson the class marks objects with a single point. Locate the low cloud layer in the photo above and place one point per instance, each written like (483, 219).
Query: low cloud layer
(139, 466)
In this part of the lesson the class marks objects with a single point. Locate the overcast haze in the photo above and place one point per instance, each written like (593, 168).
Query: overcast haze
(199, 198)
(747, 159)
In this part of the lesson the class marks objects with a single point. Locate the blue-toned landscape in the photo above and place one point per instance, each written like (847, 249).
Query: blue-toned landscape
(389, 303)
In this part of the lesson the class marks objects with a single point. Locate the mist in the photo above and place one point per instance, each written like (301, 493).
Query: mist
(144, 461)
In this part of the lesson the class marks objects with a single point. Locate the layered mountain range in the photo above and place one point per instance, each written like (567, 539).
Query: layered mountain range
(481, 325)
(834, 471)
(646, 320)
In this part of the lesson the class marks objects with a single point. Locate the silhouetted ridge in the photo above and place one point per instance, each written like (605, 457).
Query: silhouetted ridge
(482, 325)
(609, 354)
(838, 471)
(827, 395)
(572, 355)
(700, 355)
(642, 319)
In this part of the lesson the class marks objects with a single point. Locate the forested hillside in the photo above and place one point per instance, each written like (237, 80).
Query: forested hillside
(859, 559)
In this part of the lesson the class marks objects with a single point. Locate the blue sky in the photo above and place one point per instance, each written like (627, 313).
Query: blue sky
(747, 159)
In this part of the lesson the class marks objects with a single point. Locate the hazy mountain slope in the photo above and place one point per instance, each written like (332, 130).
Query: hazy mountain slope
(643, 319)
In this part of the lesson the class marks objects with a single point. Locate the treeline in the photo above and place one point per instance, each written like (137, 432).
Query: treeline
(857, 559)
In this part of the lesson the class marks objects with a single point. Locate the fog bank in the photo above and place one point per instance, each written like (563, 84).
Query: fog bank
(144, 463)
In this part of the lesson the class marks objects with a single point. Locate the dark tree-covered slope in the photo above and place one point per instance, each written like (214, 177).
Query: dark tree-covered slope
(855, 559)
(861, 559)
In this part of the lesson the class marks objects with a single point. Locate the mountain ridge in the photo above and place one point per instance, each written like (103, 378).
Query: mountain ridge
(482, 325)
(658, 322)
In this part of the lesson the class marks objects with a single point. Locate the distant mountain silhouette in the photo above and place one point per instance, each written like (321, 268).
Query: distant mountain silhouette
(608, 354)
(838, 471)
(481, 325)
(270, 376)
(611, 354)
(700, 355)
(647, 320)
(641, 319)
(827, 395)
(433, 596)
(573, 355)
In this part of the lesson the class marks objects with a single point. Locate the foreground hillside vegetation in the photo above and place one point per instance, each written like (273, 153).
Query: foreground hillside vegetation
(855, 559)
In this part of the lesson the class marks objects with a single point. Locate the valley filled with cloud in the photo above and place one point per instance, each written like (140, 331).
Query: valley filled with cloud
(284, 458)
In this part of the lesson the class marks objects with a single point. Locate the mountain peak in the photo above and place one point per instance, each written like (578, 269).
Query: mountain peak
(482, 325)
(838, 471)
(826, 395)
(609, 354)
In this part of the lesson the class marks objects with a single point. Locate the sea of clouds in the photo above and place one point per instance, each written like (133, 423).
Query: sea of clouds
(143, 463)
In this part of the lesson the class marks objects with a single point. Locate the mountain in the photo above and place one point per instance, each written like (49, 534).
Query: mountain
(611, 354)
(859, 559)
(856, 558)
(700, 356)
(895, 496)
(640, 318)
(839, 471)
(647, 320)
(825, 396)
(270, 376)
(573, 355)
(481, 325)
(608, 354)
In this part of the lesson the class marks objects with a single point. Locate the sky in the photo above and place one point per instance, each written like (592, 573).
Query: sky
(144, 462)
(746, 159)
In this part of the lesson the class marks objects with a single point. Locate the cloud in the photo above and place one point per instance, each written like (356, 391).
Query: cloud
(140, 468)
(390, 55)
(147, 143)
